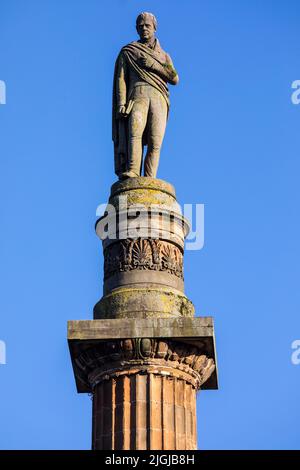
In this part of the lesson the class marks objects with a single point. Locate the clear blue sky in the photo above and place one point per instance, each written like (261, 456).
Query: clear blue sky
(232, 143)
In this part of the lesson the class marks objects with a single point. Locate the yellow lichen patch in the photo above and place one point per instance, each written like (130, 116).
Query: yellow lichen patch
(145, 183)
(141, 196)
(143, 303)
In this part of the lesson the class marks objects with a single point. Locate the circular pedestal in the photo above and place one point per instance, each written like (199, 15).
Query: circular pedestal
(143, 234)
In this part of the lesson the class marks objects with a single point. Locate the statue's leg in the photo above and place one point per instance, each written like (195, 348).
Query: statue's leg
(157, 125)
(136, 126)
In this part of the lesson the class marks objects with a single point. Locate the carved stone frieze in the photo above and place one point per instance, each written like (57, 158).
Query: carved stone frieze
(143, 254)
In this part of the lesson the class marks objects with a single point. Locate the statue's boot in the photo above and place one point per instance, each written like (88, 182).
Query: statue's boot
(128, 174)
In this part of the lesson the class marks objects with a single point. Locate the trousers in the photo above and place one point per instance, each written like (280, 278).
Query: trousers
(149, 114)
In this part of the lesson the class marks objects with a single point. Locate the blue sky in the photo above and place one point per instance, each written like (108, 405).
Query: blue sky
(232, 143)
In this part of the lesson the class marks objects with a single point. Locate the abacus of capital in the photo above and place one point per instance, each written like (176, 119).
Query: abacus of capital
(145, 355)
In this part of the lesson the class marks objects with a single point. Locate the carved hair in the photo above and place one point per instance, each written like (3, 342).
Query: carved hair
(142, 17)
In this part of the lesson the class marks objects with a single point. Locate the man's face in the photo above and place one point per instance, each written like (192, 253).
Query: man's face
(145, 28)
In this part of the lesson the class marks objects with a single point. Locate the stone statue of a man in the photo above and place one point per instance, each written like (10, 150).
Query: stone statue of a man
(141, 101)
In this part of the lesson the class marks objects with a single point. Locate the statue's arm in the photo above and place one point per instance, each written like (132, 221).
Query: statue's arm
(166, 71)
(121, 87)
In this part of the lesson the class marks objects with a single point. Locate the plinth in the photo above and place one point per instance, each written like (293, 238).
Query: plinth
(145, 354)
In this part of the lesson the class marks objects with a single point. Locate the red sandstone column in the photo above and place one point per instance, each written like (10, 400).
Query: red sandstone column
(145, 411)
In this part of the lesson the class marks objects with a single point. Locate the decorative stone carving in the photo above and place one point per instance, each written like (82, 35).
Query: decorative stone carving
(143, 254)
(131, 356)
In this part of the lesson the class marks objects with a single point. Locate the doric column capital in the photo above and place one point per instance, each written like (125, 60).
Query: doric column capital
(111, 359)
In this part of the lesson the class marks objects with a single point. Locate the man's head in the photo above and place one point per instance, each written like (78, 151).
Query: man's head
(146, 25)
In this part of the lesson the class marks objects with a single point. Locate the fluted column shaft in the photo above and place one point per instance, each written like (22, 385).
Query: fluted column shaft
(144, 411)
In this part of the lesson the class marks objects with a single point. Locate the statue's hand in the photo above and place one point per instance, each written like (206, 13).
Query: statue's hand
(146, 62)
(121, 112)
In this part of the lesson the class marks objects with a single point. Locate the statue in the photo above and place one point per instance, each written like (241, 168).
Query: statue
(141, 101)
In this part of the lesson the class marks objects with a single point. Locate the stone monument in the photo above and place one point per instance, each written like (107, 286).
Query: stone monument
(144, 355)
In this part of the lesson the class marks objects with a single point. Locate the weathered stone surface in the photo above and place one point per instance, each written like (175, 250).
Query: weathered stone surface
(150, 207)
(198, 327)
(153, 301)
(144, 411)
(141, 255)
(143, 276)
(116, 358)
(141, 101)
(151, 190)
(182, 348)
(144, 355)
